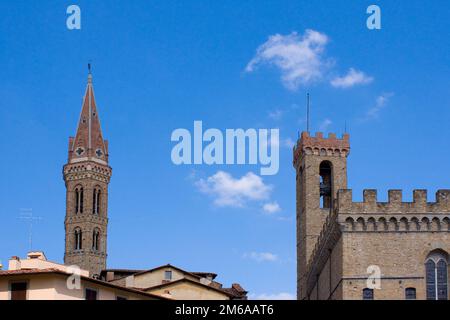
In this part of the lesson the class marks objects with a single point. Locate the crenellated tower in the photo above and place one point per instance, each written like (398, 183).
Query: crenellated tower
(87, 175)
(321, 167)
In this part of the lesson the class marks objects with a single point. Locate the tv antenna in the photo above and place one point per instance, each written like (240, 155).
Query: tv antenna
(27, 215)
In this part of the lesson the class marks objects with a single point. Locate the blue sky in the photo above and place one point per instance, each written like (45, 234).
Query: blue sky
(160, 65)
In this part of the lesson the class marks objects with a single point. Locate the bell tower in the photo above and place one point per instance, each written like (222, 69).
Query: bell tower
(86, 176)
(321, 167)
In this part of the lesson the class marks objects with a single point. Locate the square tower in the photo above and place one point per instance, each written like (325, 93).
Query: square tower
(321, 167)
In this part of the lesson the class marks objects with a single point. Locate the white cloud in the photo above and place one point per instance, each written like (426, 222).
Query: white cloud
(233, 192)
(262, 256)
(271, 207)
(352, 78)
(273, 296)
(323, 127)
(299, 57)
(301, 60)
(380, 103)
(276, 115)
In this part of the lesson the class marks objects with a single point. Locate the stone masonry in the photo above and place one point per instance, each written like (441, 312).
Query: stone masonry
(339, 244)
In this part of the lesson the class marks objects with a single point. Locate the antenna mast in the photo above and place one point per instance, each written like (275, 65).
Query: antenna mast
(307, 112)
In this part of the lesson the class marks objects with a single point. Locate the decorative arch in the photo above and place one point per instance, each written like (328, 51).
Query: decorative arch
(382, 224)
(404, 225)
(360, 224)
(445, 225)
(414, 224)
(393, 225)
(435, 224)
(371, 224)
(350, 224)
(425, 224)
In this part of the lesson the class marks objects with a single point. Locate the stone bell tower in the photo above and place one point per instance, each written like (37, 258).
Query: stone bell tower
(87, 175)
(321, 167)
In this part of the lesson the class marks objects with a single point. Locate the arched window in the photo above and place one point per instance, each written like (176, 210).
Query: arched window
(96, 240)
(96, 201)
(79, 195)
(78, 239)
(436, 276)
(410, 293)
(367, 294)
(325, 172)
(77, 200)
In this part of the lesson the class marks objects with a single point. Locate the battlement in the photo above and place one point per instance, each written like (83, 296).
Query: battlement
(395, 205)
(319, 145)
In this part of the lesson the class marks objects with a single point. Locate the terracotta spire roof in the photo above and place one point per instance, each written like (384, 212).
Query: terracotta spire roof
(88, 143)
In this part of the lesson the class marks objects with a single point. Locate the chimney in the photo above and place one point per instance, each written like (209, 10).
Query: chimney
(37, 255)
(109, 276)
(14, 263)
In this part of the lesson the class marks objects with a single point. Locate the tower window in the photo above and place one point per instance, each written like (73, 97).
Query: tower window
(436, 276)
(96, 240)
(78, 239)
(79, 197)
(410, 293)
(96, 201)
(367, 294)
(77, 200)
(325, 173)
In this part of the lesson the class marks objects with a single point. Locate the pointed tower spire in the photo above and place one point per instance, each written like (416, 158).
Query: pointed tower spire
(88, 143)
(87, 175)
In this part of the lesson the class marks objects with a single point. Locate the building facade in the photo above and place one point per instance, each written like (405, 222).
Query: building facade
(369, 249)
(36, 278)
(86, 176)
(175, 283)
